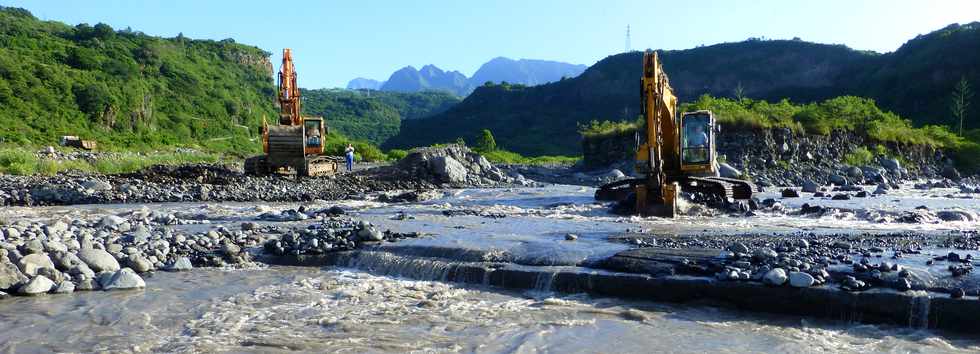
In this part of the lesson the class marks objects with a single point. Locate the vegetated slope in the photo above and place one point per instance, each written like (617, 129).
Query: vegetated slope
(127, 89)
(917, 79)
(916, 82)
(371, 115)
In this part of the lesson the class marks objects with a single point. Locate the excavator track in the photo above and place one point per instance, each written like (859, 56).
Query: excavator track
(709, 190)
(741, 189)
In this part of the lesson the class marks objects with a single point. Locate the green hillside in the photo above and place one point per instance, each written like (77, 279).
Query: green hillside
(915, 82)
(126, 89)
(372, 115)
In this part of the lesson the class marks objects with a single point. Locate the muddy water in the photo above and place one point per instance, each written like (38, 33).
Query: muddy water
(329, 310)
(287, 309)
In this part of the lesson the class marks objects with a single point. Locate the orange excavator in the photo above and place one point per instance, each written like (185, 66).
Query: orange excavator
(295, 144)
(677, 155)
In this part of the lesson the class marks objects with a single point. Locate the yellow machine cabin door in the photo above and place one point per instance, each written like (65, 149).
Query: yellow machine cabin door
(697, 142)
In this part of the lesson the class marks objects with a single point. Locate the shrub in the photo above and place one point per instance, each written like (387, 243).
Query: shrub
(859, 157)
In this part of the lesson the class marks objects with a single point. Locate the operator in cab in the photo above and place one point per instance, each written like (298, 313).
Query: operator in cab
(696, 142)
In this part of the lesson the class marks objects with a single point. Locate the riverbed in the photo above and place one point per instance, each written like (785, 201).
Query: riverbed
(276, 308)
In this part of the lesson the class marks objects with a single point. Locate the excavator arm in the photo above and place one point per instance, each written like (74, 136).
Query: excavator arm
(289, 96)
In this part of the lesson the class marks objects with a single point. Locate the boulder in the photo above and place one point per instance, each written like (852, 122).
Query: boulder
(950, 172)
(448, 169)
(775, 277)
(837, 180)
(728, 171)
(810, 186)
(32, 263)
(854, 172)
(124, 279)
(891, 164)
(613, 174)
(790, 193)
(764, 254)
(955, 215)
(98, 260)
(800, 280)
(39, 285)
(140, 264)
(66, 287)
(181, 264)
(96, 185)
(369, 233)
(10, 276)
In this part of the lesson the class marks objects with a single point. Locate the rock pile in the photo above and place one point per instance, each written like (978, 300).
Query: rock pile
(423, 169)
(109, 252)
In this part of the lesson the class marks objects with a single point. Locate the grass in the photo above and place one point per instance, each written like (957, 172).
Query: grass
(596, 129)
(23, 161)
(504, 156)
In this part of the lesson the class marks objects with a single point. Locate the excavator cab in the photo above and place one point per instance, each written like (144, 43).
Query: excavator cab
(698, 142)
(313, 134)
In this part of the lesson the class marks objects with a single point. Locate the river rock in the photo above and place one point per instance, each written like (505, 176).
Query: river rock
(98, 260)
(55, 246)
(891, 164)
(10, 276)
(765, 254)
(775, 277)
(34, 246)
(837, 180)
(800, 280)
(124, 279)
(32, 263)
(181, 264)
(571, 237)
(739, 247)
(950, 172)
(810, 186)
(66, 287)
(39, 285)
(140, 264)
(727, 171)
(954, 215)
(96, 185)
(369, 234)
(790, 193)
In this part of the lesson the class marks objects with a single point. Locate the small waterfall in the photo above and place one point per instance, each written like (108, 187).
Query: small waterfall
(384, 263)
(919, 309)
(544, 281)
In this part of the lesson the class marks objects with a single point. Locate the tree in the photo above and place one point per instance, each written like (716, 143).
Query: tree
(961, 101)
(739, 91)
(486, 143)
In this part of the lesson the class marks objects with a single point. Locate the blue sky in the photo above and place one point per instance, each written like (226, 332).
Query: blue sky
(335, 41)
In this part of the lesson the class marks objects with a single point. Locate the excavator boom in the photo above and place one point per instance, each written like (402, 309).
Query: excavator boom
(289, 96)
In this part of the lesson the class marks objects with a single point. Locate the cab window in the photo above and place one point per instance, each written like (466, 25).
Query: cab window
(313, 136)
(697, 139)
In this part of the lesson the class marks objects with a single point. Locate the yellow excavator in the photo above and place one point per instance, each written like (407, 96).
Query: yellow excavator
(295, 144)
(677, 155)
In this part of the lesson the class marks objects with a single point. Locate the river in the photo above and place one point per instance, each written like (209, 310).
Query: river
(276, 309)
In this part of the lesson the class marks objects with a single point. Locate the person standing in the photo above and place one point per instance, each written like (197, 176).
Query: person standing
(349, 154)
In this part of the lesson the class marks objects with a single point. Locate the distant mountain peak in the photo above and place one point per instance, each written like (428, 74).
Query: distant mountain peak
(528, 72)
